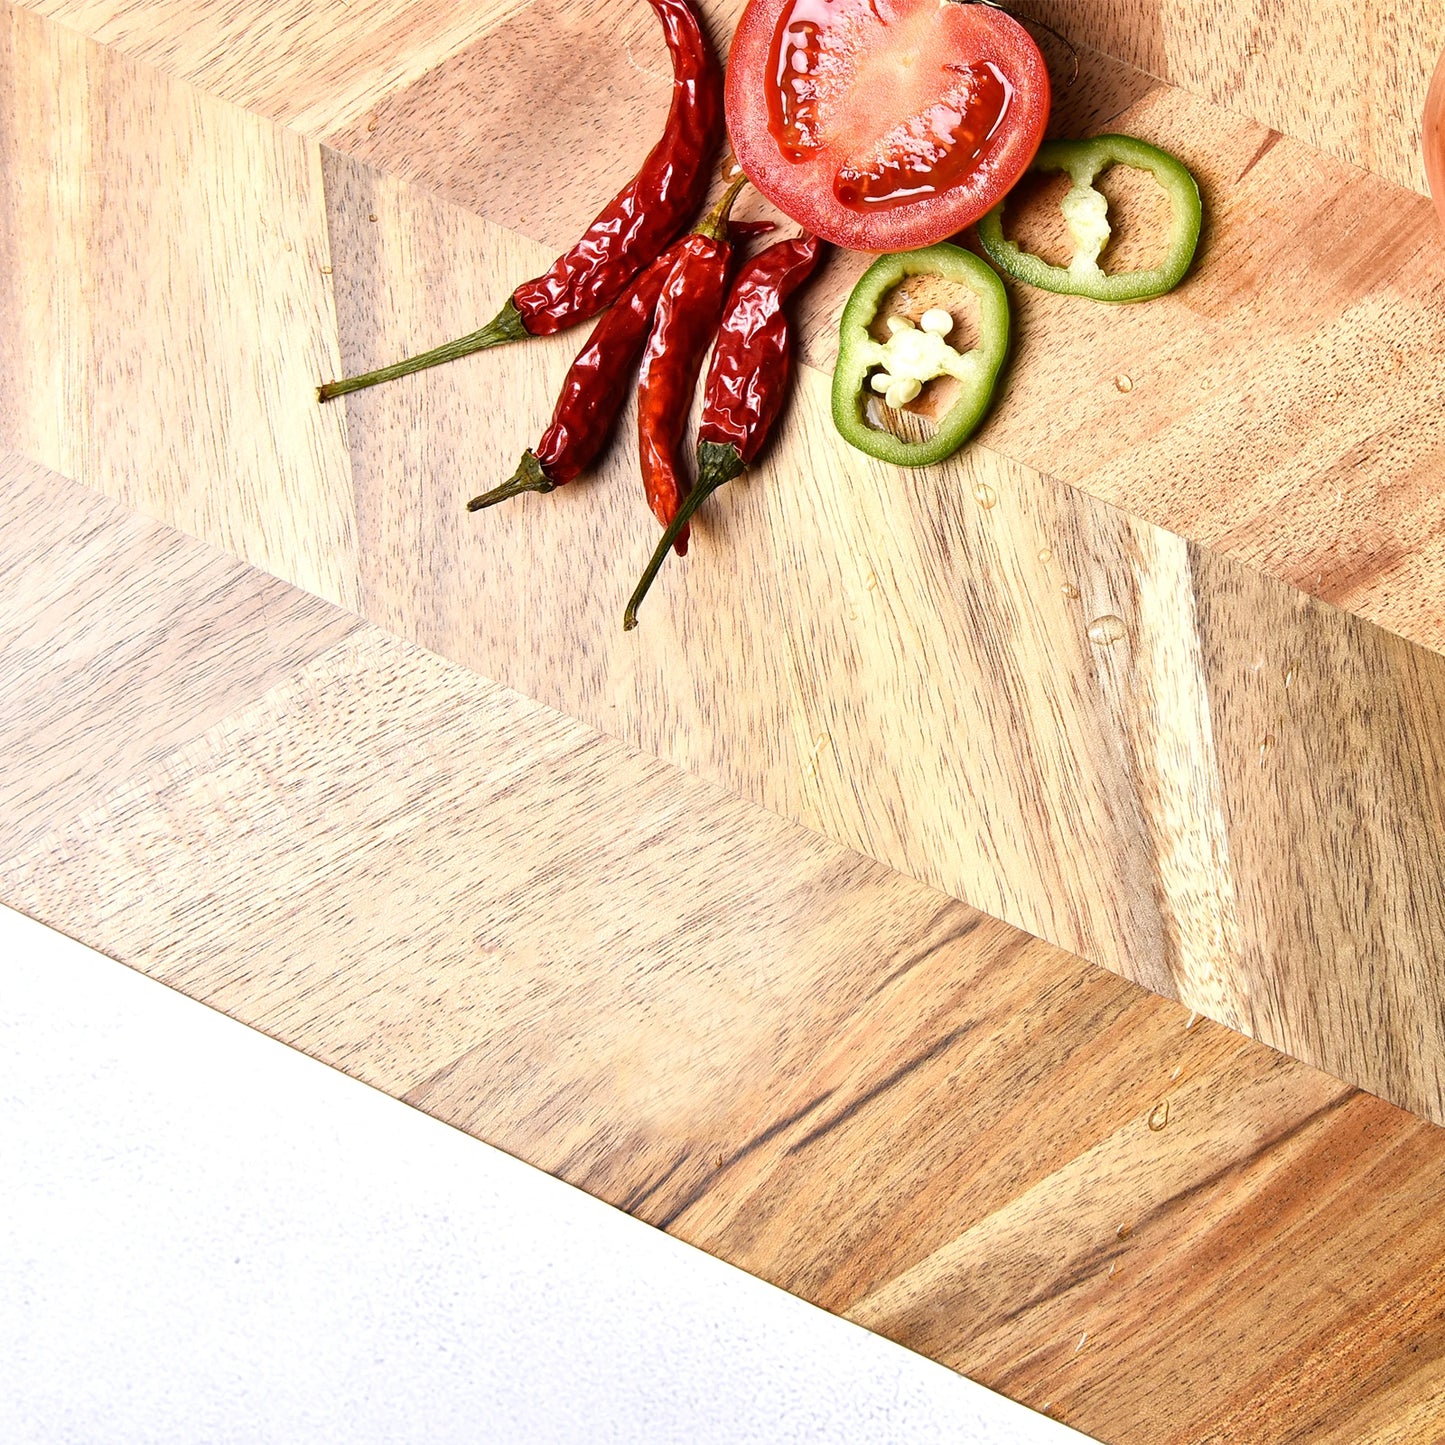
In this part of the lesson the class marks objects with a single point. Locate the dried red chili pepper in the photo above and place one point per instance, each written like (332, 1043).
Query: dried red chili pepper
(629, 233)
(747, 383)
(592, 394)
(752, 364)
(687, 318)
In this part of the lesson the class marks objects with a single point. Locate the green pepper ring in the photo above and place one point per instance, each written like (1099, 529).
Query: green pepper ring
(1083, 161)
(858, 353)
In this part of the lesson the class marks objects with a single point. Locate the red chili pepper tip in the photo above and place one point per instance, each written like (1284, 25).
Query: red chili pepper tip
(747, 383)
(686, 320)
(717, 465)
(592, 394)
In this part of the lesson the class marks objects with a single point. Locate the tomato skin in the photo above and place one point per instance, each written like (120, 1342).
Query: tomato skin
(806, 190)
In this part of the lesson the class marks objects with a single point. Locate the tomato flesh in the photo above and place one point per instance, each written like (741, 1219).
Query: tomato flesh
(884, 124)
(935, 151)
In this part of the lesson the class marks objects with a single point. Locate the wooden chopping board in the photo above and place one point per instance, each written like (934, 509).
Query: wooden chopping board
(1238, 807)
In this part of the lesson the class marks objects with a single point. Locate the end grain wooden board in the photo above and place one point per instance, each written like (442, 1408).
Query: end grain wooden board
(1238, 804)
(874, 1095)
(825, 1072)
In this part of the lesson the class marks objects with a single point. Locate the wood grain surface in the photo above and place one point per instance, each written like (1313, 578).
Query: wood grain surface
(1282, 407)
(829, 1074)
(1237, 804)
(1346, 76)
(681, 916)
(166, 306)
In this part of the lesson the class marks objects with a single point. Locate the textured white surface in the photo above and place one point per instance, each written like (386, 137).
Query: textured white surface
(211, 1238)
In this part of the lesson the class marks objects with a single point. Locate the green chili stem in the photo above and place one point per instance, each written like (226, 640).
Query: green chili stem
(530, 476)
(716, 466)
(716, 221)
(505, 326)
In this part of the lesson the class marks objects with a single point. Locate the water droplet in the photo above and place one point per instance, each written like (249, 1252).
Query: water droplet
(1069, 590)
(1289, 675)
(1046, 554)
(1124, 1231)
(372, 216)
(1176, 1073)
(1080, 1345)
(1266, 746)
(372, 123)
(1112, 1268)
(1159, 1116)
(871, 581)
(985, 496)
(1124, 383)
(1193, 1019)
(1107, 630)
(731, 169)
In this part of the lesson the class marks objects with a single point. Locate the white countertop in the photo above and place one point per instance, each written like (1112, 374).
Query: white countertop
(212, 1238)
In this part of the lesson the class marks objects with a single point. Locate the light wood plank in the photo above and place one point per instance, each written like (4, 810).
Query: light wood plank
(313, 66)
(324, 67)
(1347, 76)
(166, 305)
(96, 705)
(774, 1048)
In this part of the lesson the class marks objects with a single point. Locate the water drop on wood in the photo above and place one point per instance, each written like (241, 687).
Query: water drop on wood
(1107, 630)
(1124, 383)
(985, 496)
(1069, 590)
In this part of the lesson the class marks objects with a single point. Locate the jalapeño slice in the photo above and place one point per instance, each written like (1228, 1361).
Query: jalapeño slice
(890, 374)
(1087, 214)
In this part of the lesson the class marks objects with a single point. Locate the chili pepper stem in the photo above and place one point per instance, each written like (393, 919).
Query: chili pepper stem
(505, 326)
(717, 465)
(529, 477)
(715, 223)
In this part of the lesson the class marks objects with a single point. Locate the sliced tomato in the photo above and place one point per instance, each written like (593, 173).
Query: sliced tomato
(884, 125)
